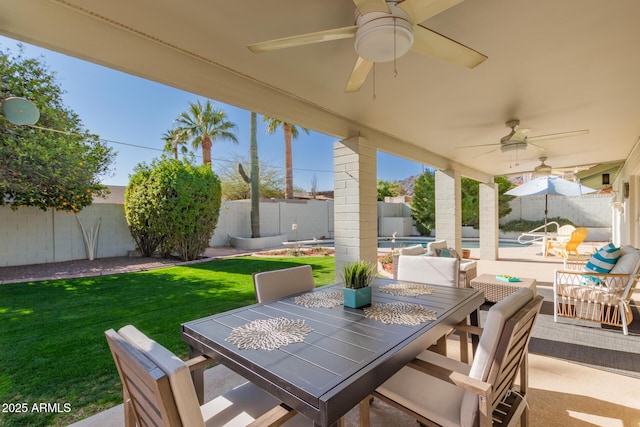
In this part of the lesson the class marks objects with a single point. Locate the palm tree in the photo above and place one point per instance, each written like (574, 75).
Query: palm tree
(173, 139)
(290, 132)
(204, 125)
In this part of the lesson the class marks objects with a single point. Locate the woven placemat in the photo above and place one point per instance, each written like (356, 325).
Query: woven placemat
(319, 299)
(400, 313)
(269, 334)
(407, 289)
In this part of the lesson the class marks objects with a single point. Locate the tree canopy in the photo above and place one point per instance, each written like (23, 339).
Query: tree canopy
(56, 163)
(389, 189)
(271, 181)
(204, 125)
(423, 208)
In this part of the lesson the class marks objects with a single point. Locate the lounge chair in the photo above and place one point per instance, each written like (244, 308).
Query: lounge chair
(158, 390)
(436, 390)
(598, 296)
(568, 246)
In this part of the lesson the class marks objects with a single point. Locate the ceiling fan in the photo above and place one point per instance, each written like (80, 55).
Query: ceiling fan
(542, 169)
(384, 31)
(518, 139)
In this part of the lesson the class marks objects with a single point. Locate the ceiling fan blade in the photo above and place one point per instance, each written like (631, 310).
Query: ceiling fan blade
(304, 39)
(485, 153)
(366, 6)
(536, 146)
(428, 42)
(480, 145)
(421, 10)
(358, 75)
(557, 135)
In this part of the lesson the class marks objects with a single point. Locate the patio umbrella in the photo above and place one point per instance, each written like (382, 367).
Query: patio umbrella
(549, 185)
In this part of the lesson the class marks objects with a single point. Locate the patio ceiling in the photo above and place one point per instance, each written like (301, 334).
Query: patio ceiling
(556, 66)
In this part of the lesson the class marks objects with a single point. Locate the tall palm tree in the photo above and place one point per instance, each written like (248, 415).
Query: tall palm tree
(290, 132)
(173, 139)
(204, 124)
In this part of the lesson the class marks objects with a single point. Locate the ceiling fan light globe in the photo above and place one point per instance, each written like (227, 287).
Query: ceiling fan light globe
(382, 40)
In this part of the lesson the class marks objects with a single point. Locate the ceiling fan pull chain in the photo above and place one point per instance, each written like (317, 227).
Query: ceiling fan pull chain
(395, 56)
(374, 81)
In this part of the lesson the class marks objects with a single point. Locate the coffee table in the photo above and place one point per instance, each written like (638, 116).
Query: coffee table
(496, 290)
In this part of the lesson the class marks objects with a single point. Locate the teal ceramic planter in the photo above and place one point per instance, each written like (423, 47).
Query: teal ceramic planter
(356, 298)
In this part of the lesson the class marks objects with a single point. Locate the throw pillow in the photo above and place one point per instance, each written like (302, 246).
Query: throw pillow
(603, 260)
(412, 250)
(454, 254)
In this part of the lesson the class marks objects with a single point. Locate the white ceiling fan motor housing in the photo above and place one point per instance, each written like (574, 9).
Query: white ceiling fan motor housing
(383, 37)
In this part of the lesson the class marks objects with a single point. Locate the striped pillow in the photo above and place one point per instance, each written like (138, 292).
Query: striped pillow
(603, 260)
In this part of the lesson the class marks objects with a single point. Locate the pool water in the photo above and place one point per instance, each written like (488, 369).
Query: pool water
(385, 242)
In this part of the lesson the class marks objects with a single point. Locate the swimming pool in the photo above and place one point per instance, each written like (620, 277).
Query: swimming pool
(467, 243)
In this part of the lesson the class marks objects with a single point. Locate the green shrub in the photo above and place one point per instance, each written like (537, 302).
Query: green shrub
(174, 206)
(523, 225)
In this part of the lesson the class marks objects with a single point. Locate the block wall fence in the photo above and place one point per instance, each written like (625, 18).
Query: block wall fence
(32, 236)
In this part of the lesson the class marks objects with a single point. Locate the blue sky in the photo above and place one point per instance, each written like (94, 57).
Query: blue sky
(133, 113)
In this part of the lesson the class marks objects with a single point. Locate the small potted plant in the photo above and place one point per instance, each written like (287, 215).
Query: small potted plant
(357, 278)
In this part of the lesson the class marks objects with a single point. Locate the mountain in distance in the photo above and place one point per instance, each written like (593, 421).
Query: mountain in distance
(408, 184)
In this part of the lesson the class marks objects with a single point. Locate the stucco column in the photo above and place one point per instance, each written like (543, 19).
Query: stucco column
(449, 208)
(355, 202)
(489, 215)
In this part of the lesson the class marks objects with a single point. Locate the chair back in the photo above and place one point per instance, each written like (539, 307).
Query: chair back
(577, 237)
(275, 284)
(433, 247)
(565, 231)
(428, 269)
(157, 386)
(502, 349)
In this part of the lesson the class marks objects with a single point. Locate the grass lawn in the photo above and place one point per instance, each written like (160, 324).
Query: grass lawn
(53, 349)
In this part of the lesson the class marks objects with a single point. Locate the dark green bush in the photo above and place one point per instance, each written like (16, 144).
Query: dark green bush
(523, 225)
(174, 206)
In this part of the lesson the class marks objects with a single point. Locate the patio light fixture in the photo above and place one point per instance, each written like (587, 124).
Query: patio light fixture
(383, 37)
(20, 111)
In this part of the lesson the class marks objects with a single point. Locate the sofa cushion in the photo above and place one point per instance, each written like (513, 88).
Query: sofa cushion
(413, 250)
(626, 263)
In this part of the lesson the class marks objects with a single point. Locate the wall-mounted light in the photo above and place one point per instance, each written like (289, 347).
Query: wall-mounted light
(625, 188)
(605, 179)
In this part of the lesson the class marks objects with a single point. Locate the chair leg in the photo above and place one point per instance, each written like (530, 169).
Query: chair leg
(365, 406)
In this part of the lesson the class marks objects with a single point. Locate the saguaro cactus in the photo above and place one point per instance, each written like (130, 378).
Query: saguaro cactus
(254, 179)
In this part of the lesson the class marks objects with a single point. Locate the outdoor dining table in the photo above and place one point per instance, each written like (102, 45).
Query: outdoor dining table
(344, 357)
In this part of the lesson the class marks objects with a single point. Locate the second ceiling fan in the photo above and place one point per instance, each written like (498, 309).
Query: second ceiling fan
(384, 31)
(518, 139)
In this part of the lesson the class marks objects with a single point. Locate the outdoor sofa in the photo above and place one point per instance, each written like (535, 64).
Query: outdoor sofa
(584, 289)
(468, 268)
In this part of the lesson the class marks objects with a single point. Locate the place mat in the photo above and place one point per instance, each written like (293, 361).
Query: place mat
(407, 289)
(399, 313)
(269, 334)
(319, 299)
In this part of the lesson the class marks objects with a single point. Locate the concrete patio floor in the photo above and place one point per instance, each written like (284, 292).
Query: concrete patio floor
(561, 393)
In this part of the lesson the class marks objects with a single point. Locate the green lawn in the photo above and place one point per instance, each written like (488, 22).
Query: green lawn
(52, 345)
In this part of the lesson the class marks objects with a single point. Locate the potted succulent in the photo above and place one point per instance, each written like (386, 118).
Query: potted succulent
(357, 278)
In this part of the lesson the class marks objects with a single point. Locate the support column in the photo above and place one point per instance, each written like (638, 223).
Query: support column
(449, 208)
(489, 215)
(355, 202)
